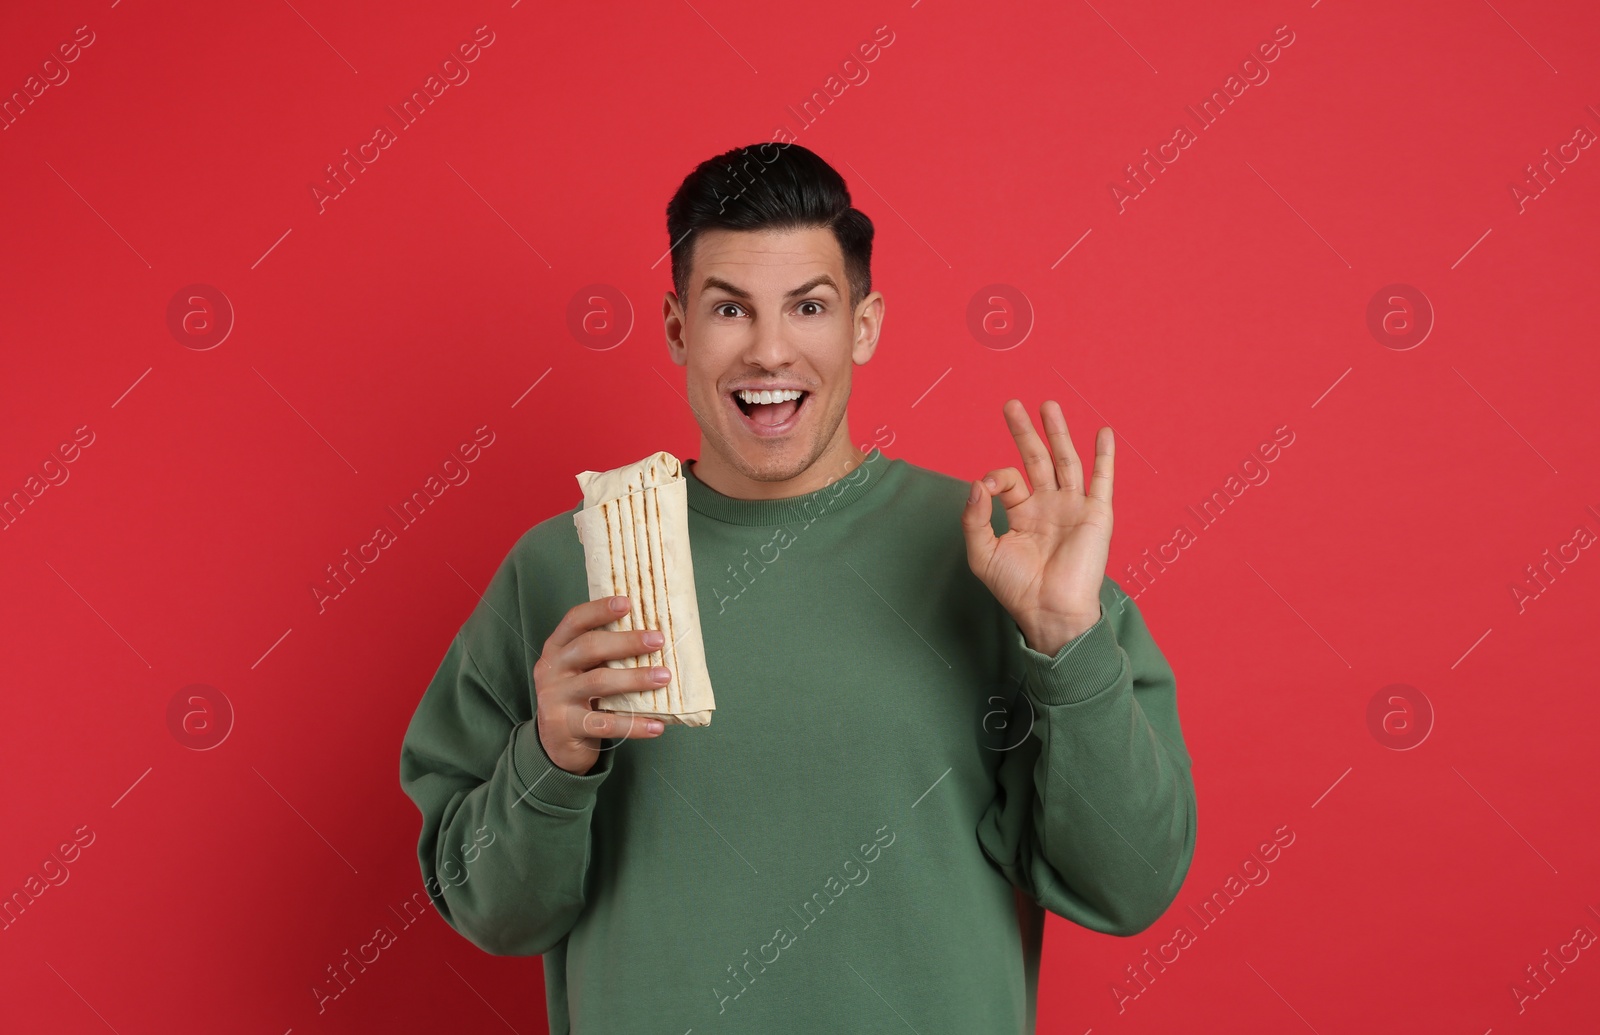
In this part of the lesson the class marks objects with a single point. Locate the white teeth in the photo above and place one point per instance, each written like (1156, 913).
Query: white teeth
(745, 395)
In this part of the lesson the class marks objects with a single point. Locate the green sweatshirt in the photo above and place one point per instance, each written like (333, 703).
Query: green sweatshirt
(887, 762)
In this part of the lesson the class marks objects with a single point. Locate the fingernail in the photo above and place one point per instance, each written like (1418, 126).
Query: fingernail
(654, 726)
(654, 639)
(619, 603)
(660, 674)
(972, 497)
(991, 483)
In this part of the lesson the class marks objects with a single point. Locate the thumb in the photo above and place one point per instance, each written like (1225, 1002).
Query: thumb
(976, 529)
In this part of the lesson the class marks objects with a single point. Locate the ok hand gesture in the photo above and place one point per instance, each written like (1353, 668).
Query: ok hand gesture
(1047, 569)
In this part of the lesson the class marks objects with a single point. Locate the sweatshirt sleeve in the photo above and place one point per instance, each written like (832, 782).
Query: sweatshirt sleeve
(505, 840)
(1094, 815)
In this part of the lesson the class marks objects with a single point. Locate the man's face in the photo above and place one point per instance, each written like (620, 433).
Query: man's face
(769, 310)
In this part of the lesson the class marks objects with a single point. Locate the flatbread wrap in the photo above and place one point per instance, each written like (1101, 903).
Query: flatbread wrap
(634, 526)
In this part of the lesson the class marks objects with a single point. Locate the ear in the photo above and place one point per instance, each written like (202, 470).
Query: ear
(672, 321)
(868, 325)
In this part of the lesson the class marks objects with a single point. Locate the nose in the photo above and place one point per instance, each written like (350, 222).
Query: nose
(769, 346)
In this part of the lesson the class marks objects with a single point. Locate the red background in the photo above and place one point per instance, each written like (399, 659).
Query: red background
(372, 337)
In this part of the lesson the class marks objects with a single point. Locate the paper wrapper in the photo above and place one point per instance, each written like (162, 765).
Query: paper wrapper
(634, 527)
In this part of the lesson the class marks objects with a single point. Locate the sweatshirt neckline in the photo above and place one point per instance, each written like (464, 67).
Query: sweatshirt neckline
(834, 496)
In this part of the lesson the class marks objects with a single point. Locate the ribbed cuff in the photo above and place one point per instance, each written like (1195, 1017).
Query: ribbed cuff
(1086, 665)
(543, 780)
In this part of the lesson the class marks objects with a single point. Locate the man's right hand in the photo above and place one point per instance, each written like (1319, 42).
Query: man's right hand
(571, 673)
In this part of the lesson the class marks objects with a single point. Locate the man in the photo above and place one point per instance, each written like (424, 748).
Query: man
(925, 734)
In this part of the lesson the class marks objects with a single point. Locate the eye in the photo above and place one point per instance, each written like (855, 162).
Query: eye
(720, 306)
(812, 302)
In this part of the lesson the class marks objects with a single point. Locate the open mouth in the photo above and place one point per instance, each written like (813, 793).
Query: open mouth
(771, 418)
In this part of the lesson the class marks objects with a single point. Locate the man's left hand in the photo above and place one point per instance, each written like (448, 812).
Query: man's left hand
(1047, 569)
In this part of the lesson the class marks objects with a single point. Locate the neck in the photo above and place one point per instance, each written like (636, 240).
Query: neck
(837, 460)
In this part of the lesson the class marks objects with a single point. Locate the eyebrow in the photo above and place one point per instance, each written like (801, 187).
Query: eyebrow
(738, 292)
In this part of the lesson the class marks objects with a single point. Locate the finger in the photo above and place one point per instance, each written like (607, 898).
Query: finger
(616, 725)
(605, 681)
(1035, 457)
(1007, 483)
(1105, 449)
(976, 527)
(598, 646)
(578, 620)
(583, 617)
(1069, 472)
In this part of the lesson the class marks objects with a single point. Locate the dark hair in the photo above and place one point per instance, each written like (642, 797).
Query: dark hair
(771, 186)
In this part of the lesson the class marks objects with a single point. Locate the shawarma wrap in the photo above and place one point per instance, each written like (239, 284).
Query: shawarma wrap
(634, 527)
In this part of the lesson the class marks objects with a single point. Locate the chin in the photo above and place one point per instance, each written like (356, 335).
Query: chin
(781, 469)
(773, 461)
(778, 454)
